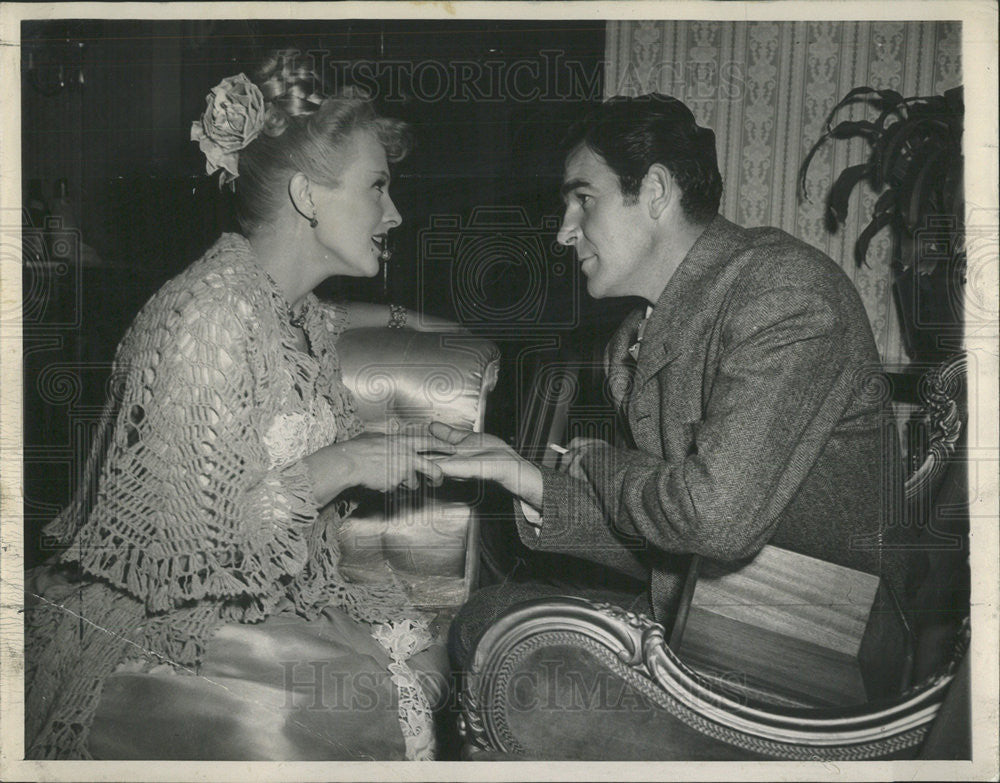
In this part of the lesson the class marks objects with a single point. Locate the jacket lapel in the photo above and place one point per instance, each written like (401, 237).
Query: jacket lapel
(682, 297)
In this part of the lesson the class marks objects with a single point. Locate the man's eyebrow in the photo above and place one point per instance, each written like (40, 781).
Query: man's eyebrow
(571, 185)
(381, 173)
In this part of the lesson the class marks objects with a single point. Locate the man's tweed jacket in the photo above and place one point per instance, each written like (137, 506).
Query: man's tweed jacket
(757, 417)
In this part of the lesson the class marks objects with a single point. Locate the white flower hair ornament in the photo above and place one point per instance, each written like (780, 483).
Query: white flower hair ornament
(234, 116)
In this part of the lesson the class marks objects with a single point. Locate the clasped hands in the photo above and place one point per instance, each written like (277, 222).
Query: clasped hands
(435, 452)
(488, 458)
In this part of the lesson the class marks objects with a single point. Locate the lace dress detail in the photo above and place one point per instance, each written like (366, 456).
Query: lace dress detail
(401, 639)
(195, 509)
(292, 435)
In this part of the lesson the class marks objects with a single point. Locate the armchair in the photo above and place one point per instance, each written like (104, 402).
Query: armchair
(429, 540)
(568, 678)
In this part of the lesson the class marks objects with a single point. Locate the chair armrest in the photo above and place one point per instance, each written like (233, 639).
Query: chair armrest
(399, 375)
(568, 678)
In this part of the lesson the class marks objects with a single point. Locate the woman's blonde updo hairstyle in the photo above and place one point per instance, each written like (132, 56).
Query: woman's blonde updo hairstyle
(305, 131)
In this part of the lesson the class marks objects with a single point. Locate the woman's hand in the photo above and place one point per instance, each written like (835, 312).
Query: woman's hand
(376, 461)
(488, 458)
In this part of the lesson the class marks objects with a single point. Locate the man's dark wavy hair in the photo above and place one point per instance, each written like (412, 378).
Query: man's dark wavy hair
(631, 134)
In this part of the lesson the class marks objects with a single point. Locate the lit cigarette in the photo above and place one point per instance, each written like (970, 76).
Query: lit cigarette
(558, 449)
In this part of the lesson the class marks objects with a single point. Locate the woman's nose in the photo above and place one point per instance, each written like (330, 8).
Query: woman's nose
(391, 216)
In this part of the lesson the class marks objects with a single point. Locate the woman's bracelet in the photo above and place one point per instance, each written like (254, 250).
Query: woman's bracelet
(397, 316)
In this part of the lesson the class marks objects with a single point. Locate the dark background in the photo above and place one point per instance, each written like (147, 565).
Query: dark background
(107, 108)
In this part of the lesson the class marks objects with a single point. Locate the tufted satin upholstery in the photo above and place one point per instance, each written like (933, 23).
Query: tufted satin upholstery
(428, 538)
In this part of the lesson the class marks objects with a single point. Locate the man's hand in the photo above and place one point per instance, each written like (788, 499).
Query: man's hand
(570, 461)
(487, 458)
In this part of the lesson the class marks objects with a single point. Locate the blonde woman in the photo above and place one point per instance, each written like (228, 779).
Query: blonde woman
(198, 610)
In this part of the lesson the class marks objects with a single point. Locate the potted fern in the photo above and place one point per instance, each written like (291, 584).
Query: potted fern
(915, 163)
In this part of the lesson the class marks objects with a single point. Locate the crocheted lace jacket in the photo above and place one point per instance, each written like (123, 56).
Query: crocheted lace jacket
(196, 509)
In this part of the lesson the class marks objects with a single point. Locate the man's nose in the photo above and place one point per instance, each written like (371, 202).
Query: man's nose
(568, 232)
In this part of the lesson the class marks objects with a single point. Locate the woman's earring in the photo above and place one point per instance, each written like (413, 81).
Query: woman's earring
(313, 222)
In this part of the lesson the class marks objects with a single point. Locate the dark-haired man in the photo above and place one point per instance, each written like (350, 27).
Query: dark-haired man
(746, 407)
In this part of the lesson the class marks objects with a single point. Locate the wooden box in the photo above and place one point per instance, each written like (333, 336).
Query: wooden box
(793, 630)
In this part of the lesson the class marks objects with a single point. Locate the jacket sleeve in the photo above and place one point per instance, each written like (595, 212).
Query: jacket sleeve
(779, 390)
(188, 506)
(573, 523)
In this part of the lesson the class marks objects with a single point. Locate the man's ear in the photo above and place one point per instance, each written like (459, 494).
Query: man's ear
(661, 189)
(301, 195)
